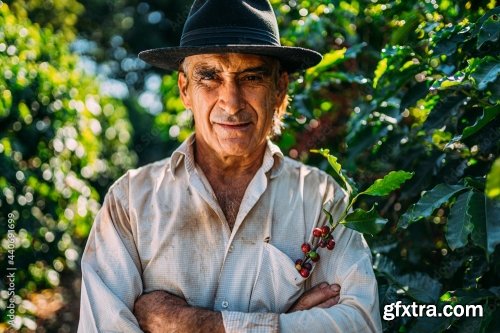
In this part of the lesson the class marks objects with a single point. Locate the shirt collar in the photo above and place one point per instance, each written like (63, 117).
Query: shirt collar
(273, 158)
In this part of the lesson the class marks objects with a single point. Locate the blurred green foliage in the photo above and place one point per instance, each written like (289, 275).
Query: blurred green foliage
(404, 85)
(62, 143)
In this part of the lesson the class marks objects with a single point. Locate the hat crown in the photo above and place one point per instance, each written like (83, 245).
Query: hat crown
(231, 26)
(230, 22)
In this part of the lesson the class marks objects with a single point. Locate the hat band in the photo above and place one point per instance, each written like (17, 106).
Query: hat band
(228, 36)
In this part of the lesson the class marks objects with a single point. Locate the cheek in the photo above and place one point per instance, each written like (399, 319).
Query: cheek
(203, 102)
(266, 110)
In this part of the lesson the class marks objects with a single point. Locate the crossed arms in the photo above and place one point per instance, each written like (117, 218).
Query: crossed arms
(159, 311)
(113, 282)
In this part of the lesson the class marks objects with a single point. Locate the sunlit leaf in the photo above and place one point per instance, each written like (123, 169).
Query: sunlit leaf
(329, 60)
(381, 68)
(493, 181)
(392, 181)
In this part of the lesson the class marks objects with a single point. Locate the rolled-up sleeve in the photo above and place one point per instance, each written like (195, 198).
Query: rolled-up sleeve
(236, 322)
(111, 278)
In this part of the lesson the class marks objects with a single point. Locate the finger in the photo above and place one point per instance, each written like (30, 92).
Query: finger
(317, 295)
(335, 288)
(329, 303)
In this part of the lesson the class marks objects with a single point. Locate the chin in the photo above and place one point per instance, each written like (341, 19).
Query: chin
(237, 148)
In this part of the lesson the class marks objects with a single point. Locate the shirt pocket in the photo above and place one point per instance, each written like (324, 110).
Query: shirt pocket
(278, 284)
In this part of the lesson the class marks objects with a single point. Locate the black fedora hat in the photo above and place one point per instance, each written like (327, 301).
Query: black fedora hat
(231, 26)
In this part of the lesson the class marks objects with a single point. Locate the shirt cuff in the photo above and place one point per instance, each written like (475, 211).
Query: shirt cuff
(237, 322)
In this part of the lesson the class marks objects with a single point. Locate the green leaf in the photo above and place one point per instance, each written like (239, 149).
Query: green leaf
(384, 266)
(485, 215)
(429, 202)
(330, 59)
(354, 50)
(484, 71)
(469, 296)
(329, 215)
(489, 31)
(475, 182)
(443, 110)
(335, 57)
(337, 168)
(488, 115)
(392, 181)
(493, 181)
(453, 81)
(431, 324)
(381, 68)
(366, 222)
(459, 225)
(420, 287)
(448, 40)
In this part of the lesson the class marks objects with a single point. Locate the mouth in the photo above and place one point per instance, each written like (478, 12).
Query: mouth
(234, 126)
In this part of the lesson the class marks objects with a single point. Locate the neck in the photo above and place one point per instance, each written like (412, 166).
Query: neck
(226, 169)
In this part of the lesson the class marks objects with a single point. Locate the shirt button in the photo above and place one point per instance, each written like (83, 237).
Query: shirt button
(225, 304)
(231, 248)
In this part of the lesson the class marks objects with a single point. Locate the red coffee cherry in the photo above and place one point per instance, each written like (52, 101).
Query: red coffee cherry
(304, 272)
(325, 230)
(331, 244)
(317, 232)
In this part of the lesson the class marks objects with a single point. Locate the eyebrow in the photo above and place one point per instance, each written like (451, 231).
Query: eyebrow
(205, 69)
(259, 69)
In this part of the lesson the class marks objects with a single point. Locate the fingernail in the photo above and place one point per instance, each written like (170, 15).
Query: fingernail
(335, 288)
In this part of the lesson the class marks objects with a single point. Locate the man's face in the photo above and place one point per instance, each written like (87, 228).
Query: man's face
(233, 98)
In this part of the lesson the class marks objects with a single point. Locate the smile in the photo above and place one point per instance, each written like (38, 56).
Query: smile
(235, 126)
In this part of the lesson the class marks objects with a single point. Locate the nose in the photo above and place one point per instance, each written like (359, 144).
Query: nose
(231, 97)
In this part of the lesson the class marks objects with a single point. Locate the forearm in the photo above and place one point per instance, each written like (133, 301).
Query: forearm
(162, 312)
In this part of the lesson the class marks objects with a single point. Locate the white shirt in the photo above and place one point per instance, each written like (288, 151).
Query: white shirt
(161, 228)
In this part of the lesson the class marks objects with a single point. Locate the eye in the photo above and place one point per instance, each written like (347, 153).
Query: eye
(253, 78)
(206, 75)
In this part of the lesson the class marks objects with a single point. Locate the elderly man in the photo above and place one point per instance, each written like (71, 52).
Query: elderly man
(205, 241)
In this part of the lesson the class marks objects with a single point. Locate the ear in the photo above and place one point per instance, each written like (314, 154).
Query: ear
(281, 88)
(183, 83)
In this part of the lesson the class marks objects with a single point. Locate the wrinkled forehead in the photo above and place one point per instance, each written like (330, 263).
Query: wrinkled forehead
(229, 62)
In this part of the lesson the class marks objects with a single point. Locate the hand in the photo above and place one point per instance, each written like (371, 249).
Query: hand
(159, 312)
(321, 296)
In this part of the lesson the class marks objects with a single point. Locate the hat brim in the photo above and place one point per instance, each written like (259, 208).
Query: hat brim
(292, 59)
